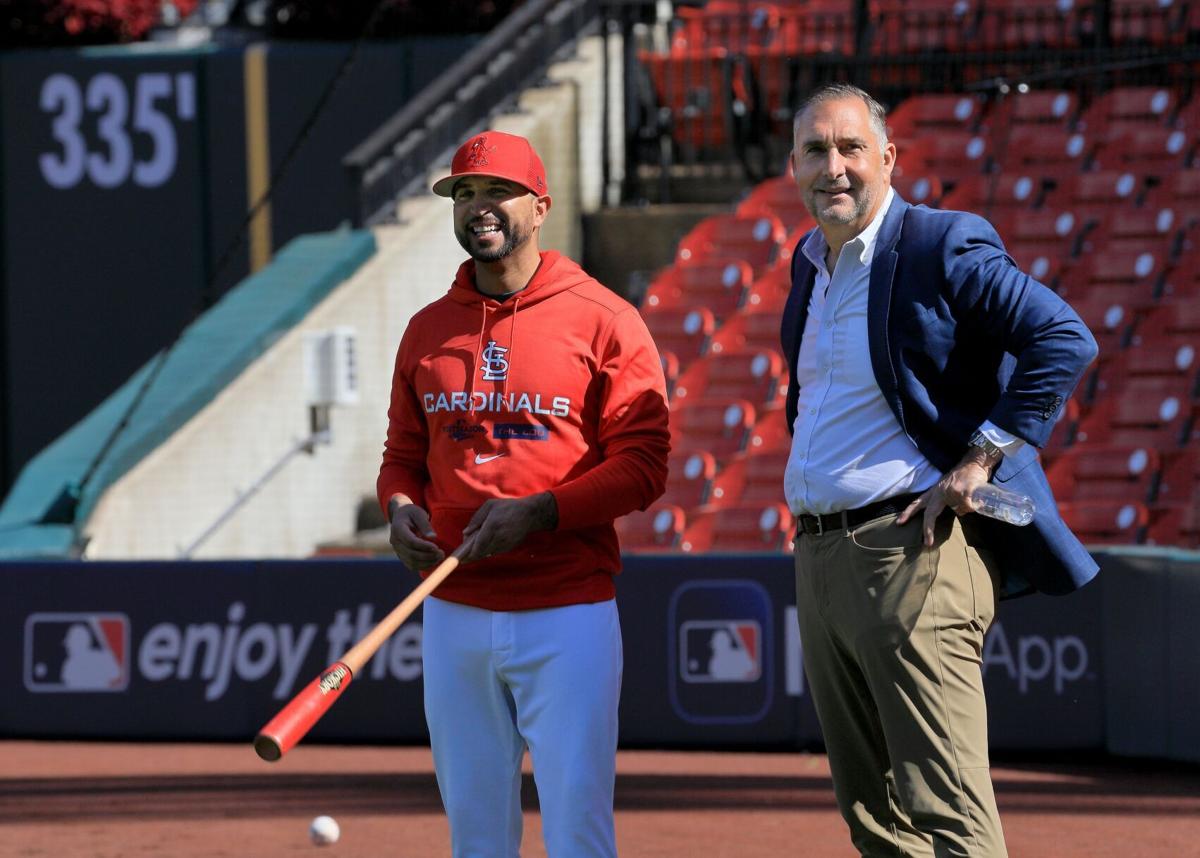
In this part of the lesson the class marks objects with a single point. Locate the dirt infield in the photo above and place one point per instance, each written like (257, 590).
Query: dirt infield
(98, 800)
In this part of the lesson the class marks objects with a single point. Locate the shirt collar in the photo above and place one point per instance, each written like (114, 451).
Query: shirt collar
(863, 245)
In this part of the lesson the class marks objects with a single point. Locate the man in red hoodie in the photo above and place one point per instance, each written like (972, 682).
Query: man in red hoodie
(528, 411)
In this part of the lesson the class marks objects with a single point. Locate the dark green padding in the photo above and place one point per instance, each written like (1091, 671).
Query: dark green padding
(43, 514)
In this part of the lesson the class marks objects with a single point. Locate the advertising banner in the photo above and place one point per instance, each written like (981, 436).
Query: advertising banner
(712, 653)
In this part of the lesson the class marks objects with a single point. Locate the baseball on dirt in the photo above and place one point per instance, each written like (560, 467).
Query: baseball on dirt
(324, 830)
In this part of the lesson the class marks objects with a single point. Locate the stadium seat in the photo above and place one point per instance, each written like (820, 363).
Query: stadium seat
(1182, 281)
(1110, 323)
(691, 88)
(683, 331)
(1056, 229)
(1149, 412)
(1151, 22)
(1181, 194)
(670, 367)
(659, 528)
(920, 26)
(755, 240)
(817, 27)
(1045, 108)
(770, 433)
(752, 478)
(755, 376)
(1176, 322)
(718, 427)
(752, 527)
(1175, 524)
(779, 197)
(916, 187)
(689, 478)
(1155, 150)
(1105, 522)
(735, 26)
(1015, 24)
(717, 284)
(1126, 108)
(1042, 150)
(1137, 274)
(749, 330)
(949, 155)
(1148, 227)
(921, 115)
(1111, 473)
(987, 194)
(1093, 195)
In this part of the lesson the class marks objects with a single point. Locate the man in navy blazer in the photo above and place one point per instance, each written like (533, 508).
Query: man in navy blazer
(923, 363)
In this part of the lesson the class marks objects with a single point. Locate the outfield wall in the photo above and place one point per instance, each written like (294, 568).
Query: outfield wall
(206, 651)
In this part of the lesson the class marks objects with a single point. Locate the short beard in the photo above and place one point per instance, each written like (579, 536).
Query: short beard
(513, 238)
(862, 205)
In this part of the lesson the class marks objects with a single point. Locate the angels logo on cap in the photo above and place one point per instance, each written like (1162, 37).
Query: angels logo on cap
(498, 155)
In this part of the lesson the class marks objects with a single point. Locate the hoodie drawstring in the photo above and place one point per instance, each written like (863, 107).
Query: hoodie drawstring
(478, 356)
(512, 344)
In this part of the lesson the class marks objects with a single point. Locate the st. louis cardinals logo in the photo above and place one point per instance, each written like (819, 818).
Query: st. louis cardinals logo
(477, 154)
(495, 365)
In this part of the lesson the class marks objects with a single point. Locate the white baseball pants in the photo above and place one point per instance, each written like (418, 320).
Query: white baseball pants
(497, 682)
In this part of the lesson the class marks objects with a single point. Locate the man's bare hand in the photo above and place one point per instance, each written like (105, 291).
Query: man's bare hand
(411, 532)
(953, 490)
(502, 524)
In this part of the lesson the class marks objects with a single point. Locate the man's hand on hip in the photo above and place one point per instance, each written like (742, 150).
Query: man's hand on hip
(953, 490)
(411, 533)
(502, 524)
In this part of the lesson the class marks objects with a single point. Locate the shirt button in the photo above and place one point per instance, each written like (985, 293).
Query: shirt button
(812, 411)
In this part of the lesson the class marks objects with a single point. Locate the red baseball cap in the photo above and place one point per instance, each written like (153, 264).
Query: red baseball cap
(496, 154)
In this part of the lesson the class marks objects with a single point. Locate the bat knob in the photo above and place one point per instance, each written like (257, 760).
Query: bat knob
(267, 747)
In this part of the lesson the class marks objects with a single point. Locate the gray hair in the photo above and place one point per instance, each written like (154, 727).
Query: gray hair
(833, 92)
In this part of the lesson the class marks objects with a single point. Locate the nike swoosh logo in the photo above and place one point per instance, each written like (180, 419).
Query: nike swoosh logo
(479, 460)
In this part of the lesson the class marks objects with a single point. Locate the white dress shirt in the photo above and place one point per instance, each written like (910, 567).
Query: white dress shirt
(848, 449)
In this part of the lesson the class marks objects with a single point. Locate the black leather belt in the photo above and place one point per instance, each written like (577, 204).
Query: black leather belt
(816, 525)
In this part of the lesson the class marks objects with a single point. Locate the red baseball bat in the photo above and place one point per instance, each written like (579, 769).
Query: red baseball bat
(306, 708)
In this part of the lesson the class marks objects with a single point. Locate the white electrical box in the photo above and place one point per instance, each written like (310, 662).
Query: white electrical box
(331, 367)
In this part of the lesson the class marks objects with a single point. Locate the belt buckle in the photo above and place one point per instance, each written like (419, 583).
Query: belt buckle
(820, 525)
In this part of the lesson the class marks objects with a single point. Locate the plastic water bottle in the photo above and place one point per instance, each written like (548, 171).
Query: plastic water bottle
(991, 500)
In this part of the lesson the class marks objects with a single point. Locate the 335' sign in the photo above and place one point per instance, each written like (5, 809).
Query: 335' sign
(113, 163)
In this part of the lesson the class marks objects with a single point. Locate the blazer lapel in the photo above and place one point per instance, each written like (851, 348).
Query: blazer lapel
(879, 302)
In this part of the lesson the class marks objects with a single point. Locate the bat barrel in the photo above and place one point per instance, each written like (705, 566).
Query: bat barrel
(305, 709)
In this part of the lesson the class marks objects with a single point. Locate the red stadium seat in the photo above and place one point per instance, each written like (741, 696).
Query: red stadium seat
(1181, 194)
(817, 27)
(1170, 322)
(920, 26)
(1128, 107)
(1105, 522)
(1175, 524)
(770, 433)
(921, 115)
(756, 240)
(994, 192)
(779, 197)
(670, 367)
(718, 284)
(1038, 107)
(692, 92)
(1154, 150)
(752, 478)
(659, 528)
(916, 187)
(749, 331)
(1110, 323)
(949, 155)
(1093, 195)
(1041, 150)
(689, 480)
(1015, 24)
(1063, 433)
(1057, 229)
(752, 375)
(721, 23)
(718, 427)
(1149, 412)
(683, 331)
(1153, 22)
(1182, 282)
(1137, 273)
(753, 527)
(1096, 472)
(1146, 228)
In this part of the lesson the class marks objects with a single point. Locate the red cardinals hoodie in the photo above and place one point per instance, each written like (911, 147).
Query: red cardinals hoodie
(558, 388)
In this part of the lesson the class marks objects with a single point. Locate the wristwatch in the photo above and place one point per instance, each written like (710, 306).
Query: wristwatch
(984, 443)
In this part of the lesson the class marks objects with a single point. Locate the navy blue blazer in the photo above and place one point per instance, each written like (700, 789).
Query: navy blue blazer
(959, 335)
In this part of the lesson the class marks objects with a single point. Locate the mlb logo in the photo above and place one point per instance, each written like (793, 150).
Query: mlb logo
(720, 651)
(77, 652)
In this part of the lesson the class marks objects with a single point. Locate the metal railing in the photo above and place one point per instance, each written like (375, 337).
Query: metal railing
(396, 158)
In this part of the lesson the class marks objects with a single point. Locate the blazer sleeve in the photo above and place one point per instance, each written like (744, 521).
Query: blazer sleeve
(1050, 344)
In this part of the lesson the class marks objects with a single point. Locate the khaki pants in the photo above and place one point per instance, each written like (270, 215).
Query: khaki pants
(892, 634)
